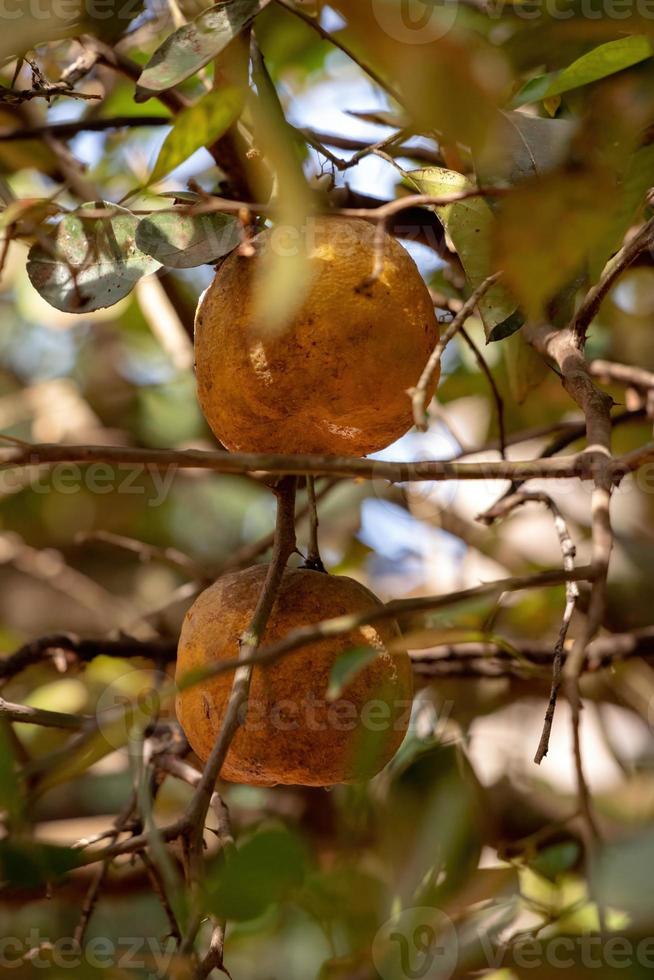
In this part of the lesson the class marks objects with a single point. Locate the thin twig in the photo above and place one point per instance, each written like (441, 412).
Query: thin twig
(315, 25)
(64, 130)
(420, 392)
(38, 716)
(339, 625)
(196, 815)
(568, 552)
(495, 391)
(565, 348)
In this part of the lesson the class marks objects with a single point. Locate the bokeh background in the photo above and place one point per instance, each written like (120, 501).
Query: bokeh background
(463, 821)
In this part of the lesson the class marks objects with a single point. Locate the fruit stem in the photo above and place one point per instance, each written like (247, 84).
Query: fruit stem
(313, 559)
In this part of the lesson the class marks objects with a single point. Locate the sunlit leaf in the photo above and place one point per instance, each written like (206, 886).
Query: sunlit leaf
(346, 667)
(194, 45)
(469, 226)
(183, 241)
(199, 125)
(602, 61)
(89, 263)
(265, 869)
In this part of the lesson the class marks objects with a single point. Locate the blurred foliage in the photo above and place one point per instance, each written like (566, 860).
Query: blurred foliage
(549, 106)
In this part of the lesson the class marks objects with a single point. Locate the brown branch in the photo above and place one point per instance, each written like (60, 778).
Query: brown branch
(565, 348)
(419, 393)
(84, 650)
(10, 96)
(311, 633)
(196, 815)
(421, 153)
(93, 893)
(65, 130)
(624, 374)
(479, 659)
(579, 465)
(38, 716)
(316, 26)
(146, 552)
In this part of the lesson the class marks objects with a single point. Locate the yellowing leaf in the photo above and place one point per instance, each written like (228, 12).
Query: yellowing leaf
(469, 225)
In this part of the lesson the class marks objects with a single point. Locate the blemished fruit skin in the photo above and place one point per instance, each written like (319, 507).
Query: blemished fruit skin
(333, 379)
(291, 734)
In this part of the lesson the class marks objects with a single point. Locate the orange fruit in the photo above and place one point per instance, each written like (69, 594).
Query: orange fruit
(334, 378)
(291, 732)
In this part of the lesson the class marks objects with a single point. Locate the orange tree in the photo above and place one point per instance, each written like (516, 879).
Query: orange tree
(509, 532)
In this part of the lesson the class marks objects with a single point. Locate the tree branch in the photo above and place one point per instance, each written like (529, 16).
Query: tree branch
(196, 815)
(578, 465)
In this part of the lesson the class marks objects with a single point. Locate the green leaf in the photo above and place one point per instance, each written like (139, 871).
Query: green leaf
(469, 225)
(199, 125)
(29, 864)
(345, 669)
(89, 263)
(194, 45)
(263, 871)
(507, 327)
(183, 241)
(602, 61)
